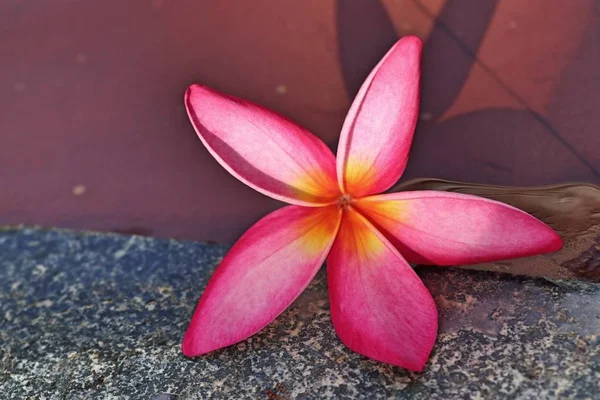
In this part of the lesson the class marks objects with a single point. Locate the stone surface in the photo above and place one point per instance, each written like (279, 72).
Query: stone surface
(101, 316)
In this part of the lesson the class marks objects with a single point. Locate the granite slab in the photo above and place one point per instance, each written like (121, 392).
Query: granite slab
(101, 316)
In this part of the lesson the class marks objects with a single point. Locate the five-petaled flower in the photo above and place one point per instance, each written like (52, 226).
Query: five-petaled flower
(379, 306)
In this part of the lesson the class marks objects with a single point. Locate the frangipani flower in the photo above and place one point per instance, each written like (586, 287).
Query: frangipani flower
(379, 306)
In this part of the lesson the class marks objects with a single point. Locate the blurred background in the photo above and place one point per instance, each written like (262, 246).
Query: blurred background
(94, 135)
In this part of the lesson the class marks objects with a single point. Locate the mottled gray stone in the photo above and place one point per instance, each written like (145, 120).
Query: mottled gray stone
(101, 316)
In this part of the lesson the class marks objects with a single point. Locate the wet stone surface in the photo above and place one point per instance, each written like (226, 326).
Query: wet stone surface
(101, 316)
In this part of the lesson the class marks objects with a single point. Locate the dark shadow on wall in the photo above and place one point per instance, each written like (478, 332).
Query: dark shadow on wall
(505, 146)
(365, 33)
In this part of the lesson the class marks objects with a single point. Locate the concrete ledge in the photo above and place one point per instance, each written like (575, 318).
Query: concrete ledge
(85, 315)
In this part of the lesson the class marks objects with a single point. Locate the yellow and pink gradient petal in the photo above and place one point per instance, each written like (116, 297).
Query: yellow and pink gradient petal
(379, 306)
(262, 274)
(437, 228)
(263, 149)
(378, 130)
(356, 238)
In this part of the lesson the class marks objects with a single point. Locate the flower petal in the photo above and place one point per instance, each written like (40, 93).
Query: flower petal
(431, 227)
(263, 273)
(379, 306)
(263, 149)
(378, 130)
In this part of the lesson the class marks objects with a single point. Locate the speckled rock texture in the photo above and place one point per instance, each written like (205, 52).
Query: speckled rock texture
(97, 316)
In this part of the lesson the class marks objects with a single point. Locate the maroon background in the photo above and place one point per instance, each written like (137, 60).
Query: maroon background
(91, 94)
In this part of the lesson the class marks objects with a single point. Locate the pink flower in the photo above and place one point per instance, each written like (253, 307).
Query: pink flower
(379, 306)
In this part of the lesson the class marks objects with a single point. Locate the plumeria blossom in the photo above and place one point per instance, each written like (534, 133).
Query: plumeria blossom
(379, 306)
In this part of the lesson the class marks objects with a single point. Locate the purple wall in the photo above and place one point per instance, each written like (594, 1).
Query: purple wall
(93, 133)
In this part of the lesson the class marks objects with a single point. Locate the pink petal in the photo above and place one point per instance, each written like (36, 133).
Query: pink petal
(263, 273)
(263, 149)
(379, 306)
(378, 130)
(431, 227)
